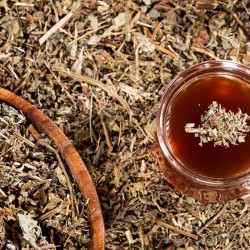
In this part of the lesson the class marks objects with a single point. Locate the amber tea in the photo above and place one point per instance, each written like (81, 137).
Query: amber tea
(209, 126)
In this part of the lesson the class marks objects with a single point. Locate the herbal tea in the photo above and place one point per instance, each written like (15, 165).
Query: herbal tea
(208, 129)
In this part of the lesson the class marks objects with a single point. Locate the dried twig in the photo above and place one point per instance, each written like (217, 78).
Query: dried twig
(100, 85)
(45, 144)
(90, 117)
(23, 82)
(138, 125)
(28, 142)
(4, 56)
(53, 29)
(206, 4)
(163, 5)
(106, 133)
(144, 24)
(137, 65)
(205, 52)
(24, 4)
(88, 33)
(242, 25)
(239, 220)
(48, 214)
(12, 71)
(177, 230)
(157, 28)
(135, 20)
(213, 219)
(34, 132)
(60, 83)
(166, 51)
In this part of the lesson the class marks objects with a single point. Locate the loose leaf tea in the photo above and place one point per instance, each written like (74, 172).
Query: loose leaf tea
(127, 178)
(220, 126)
(38, 208)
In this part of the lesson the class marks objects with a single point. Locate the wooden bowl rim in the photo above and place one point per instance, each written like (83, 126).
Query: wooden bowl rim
(75, 163)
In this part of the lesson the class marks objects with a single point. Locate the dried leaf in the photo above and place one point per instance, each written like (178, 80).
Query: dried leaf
(60, 176)
(30, 229)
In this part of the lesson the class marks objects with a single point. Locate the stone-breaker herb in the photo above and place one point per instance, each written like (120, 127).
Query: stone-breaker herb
(35, 204)
(220, 126)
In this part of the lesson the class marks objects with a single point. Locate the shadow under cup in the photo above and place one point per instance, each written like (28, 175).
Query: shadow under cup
(190, 168)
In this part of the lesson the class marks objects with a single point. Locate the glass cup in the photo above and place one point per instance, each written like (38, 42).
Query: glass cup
(198, 186)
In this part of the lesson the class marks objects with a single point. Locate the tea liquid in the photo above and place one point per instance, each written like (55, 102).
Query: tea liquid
(188, 106)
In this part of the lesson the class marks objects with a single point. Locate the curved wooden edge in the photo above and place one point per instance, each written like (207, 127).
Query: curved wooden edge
(74, 161)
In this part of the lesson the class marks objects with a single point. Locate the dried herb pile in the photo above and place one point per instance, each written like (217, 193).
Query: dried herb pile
(100, 76)
(36, 200)
(220, 126)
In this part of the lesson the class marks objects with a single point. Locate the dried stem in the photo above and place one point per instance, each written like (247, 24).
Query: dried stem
(48, 214)
(242, 25)
(213, 219)
(239, 220)
(177, 230)
(100, 85)
(166, 51)
(90, 117)
(43, 143)
(205, 52)
(88, 33)
(135, 19)
(137, 63)
(163, 5)
(28, 142)
(34, 132)
(60, 83)
(57, 26)
(157, 28)
(206, 4)
(106, 133)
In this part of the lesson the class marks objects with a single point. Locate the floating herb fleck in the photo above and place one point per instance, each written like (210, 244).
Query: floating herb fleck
(220, 126)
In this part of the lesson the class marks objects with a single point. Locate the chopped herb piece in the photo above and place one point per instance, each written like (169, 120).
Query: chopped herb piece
(220, 126)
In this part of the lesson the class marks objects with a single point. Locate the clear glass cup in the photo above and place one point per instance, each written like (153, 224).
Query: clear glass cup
(203, 188)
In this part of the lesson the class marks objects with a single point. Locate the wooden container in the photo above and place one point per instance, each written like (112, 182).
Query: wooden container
(73, 160)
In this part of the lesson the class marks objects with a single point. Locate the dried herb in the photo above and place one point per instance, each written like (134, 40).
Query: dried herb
(220, 126)
(36, 194)
(130, 186)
